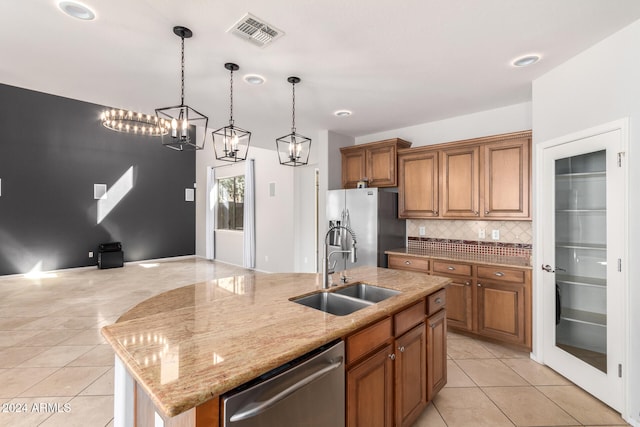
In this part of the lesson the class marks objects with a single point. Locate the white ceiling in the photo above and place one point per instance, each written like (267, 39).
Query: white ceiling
(394, 63)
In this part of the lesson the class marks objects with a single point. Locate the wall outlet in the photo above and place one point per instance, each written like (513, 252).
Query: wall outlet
(90, 254)
(481, 234)
(495, 234)
(422, 231)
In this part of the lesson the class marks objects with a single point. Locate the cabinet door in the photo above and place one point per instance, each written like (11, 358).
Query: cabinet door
(418, 185)
(460, 182)
(410, 375)
(436, 353)
(370, 391)
(501, 311)
(353, 167)
(460, 304)
(506, 187)
(381, 166)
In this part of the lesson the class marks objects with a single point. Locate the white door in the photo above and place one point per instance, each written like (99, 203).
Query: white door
(582, 196)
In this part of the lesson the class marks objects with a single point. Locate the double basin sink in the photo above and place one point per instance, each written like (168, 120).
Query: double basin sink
(346, 300)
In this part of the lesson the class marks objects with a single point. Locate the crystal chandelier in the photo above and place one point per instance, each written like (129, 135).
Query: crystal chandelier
(180, 117)
(138, 123)
(231, 143)
(293, 149)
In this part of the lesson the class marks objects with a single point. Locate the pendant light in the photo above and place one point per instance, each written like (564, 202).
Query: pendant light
(293, 149)
(180, 117)
(231, 143)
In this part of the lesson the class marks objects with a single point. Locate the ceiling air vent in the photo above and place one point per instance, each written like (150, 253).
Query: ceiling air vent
(255, 30)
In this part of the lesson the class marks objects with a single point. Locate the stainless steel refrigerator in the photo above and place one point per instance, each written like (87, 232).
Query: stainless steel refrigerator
(372, 213)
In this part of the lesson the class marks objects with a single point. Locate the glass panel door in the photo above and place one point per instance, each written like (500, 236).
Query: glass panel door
(581, 257)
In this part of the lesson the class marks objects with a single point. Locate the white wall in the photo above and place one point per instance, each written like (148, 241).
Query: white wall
(275, 216)
(600, 85)
(512, 118)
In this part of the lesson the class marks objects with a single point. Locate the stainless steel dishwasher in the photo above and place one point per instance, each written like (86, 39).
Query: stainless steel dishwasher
(305, 392)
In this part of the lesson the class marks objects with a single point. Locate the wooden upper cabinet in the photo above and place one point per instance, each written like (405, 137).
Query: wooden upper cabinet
(485, 177)
(418, 184)
(376, 162)
(460, 182)
(506, 179)
(353, 167)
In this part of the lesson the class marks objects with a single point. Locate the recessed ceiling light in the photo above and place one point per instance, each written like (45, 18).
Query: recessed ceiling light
(77, 10)
(254, 79)
(342, 113)
(526, 60)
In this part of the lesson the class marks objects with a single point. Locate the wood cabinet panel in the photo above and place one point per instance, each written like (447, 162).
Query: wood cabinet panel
(436, 353)
(375, 162)
(368, 339)
(452, 268)
(460, 304)
(460, 182)
(408, 318)
(370, 391)
(501, 311)
(400, 262)
(411, 375)
(436, 301)
(506, 179)
(353, 168)
(418, 188)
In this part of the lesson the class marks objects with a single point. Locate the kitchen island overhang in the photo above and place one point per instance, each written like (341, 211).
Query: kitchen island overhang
(186, 346)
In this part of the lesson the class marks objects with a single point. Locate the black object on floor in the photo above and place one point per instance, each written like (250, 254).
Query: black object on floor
(110, 255)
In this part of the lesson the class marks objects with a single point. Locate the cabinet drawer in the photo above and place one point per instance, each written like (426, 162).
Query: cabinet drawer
(408, 318)
(400, 262)
(368, 339)
(501, 274)
(436, 301)
(452, 268)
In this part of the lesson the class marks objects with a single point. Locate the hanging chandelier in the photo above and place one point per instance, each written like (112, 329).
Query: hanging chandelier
(180, 117)
(293, 149)
(231, 143)
(130, 122)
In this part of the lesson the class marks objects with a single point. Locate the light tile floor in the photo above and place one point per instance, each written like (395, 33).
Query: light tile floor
(57, 370)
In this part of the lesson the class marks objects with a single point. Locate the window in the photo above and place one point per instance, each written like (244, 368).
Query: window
(230, 203)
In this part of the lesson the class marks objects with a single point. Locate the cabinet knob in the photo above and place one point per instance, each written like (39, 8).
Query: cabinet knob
(476, 213)
(435, 213)
(451, 268)
(499, 273)
(467, 283)
(407, 262)
(401, 348)
(479, 285)
(438, 300)
(392, 356)
(486, 212)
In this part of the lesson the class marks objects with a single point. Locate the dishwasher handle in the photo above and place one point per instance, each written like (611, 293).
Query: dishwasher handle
(253, 408)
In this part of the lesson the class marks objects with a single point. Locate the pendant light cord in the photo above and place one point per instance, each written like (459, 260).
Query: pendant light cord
(182, 69)
(293, 109)
(231, 100)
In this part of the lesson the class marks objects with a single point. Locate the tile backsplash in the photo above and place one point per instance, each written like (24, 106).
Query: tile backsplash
(510, 231)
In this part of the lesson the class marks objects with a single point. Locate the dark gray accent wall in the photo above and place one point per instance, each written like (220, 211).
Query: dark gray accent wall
(52, 151)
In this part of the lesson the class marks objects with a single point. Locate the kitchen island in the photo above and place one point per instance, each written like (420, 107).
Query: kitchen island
(180, 350)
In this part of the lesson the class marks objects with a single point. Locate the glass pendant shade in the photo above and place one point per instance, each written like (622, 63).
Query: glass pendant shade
(183, 120)
(231, 143)
(293, 149)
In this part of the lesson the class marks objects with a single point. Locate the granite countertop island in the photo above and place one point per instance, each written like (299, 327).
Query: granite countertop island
(189, 345)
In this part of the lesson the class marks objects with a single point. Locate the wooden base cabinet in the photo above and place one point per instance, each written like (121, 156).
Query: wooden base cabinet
(388, 385)
(436, 352)
(370, 391)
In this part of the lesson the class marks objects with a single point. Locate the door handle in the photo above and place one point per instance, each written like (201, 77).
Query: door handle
(549, 269)
(255, 408)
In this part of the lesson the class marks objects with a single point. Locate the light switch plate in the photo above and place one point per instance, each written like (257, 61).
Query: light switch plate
(422, 231)
(481, 234)
(189, 195)
(495, 234)
(99, 191)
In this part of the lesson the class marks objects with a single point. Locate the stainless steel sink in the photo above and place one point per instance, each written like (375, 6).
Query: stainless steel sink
(367, 292)
(339, 305)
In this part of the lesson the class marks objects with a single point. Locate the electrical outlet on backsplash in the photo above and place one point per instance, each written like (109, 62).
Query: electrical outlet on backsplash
(515, 237)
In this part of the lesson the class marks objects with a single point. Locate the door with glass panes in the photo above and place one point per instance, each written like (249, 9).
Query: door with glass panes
(584, 237)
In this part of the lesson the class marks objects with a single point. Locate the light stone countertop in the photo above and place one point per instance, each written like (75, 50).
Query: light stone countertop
(496, 260)
(188, 345)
